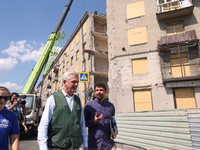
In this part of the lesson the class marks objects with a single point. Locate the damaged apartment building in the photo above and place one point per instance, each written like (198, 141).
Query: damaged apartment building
(85, 51)
(154, 61)
(154, 73)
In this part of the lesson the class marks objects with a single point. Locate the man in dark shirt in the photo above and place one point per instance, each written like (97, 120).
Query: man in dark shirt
(99, 113)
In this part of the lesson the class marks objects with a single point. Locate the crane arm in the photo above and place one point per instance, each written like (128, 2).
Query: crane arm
(45, 53)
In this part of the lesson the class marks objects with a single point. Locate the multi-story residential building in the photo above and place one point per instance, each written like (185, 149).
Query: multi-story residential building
(154, 54)
(154, 73)
(85, 51)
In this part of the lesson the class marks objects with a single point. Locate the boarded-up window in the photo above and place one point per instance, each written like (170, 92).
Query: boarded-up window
(67, 51)
(77, 37)
(174, 28)
(72, 45)
(77, 68)
(184, 98)
(84, 65)
(135, 10)
(59, 73)
(177, 70)
(60, 62)
(82, 86)
(77, 55)
(140, 66)
(83, 101)
(142, 100)
(137, 36)
(84, 28)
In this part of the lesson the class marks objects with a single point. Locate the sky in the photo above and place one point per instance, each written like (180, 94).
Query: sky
(25, 26)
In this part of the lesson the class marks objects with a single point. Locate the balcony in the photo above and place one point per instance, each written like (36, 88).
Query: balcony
(55, 79)
(48, 86)
(186, 37)
(180, 58)
(49, 76)
(173, 8)
(56, 69)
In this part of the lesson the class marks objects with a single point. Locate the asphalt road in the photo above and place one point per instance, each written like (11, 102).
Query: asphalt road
(28, 142)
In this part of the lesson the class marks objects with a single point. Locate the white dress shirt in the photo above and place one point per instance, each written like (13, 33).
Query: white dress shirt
(46, 118)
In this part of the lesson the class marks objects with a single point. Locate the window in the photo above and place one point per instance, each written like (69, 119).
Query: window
(83, 101)
(72, 60)
(60, 62)
(135, 9)
(59, 74)
(72, 45)
(77, 54)
(142, 100)
(82, 86)
(174, 28)
(63, 69)
(179, 66)
(84, 65)
(77, 68)
(140, 66)
(84, 28)
(67, 51)
(77, 38)
(56, 86)
(84, 46)
(67, 65)
(137, 36)
(184, 98)
(170, 5)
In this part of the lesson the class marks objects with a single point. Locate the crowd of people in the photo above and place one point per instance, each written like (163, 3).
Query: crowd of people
(64, 120)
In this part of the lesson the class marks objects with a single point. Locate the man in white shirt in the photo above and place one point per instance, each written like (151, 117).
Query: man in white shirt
(62, 125)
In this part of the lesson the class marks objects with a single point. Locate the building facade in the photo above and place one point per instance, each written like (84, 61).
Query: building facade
(85, 51)
(154, 54)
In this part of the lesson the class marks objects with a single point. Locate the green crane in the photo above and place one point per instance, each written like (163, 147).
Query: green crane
(28, 88)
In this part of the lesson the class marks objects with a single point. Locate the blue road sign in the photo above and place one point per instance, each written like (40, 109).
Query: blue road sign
(84, 77)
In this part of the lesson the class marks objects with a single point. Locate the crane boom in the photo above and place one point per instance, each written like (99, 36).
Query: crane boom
(28, 89)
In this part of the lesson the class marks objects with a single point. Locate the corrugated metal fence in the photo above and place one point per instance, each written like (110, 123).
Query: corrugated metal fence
(160, 130)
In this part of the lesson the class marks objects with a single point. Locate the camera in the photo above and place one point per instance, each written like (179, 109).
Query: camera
(22, 100)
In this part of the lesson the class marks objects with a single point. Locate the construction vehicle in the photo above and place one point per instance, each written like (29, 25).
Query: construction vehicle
(33, 102)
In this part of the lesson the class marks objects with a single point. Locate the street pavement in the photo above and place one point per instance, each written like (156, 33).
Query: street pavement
(28, 142)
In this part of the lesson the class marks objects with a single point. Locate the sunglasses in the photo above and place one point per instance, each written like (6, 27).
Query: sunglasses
(6, 98)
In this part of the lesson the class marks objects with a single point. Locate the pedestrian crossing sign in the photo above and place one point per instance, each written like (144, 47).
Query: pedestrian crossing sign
(84, 77)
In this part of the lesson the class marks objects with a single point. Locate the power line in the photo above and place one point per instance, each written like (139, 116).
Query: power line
(24, 80)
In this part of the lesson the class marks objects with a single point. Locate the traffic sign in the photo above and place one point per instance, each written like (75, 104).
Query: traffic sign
(84, 77)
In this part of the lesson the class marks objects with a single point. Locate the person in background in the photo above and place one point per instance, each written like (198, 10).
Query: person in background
(62, 125)
(9, 128)
(99, 115)
(18, 108)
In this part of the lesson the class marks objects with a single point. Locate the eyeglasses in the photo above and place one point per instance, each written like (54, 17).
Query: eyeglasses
(4, 97)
